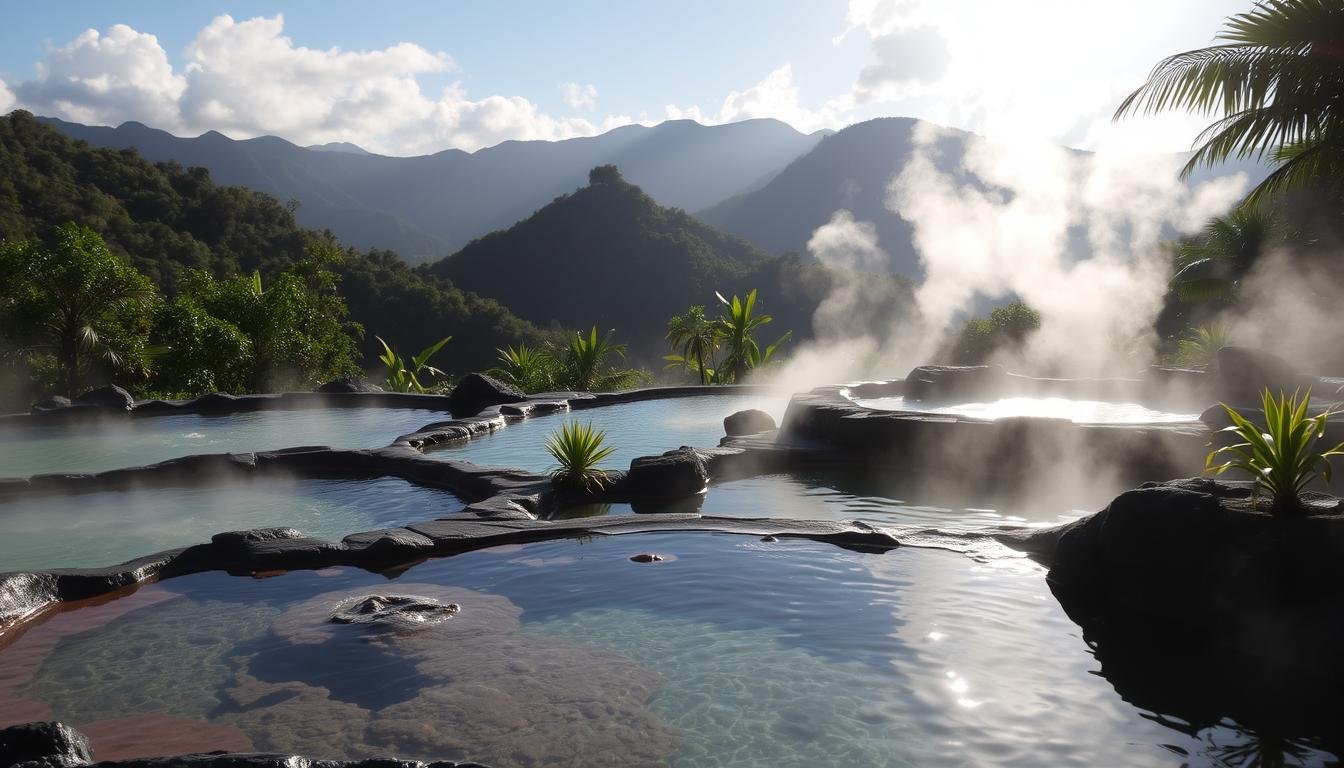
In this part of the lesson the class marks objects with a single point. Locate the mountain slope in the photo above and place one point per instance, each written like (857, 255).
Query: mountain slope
(425, 207)
(165, 219)
(608, 255)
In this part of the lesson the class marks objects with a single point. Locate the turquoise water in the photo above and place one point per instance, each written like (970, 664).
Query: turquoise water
(115, 442)
(732, 652)
(634, 429)
(110, 527)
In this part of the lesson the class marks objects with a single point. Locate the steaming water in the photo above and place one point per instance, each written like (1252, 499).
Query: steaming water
(109, 527)
(1080, 411)
(117, 442)
(634, 429)
(736, 652)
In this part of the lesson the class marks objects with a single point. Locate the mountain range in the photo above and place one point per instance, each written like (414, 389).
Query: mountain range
(430, 206)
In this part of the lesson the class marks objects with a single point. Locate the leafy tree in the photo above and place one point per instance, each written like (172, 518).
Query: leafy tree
(737, 327)
(69, 297)
(1277, 81)
(1005, 330)
(203, 353)
(695, 340)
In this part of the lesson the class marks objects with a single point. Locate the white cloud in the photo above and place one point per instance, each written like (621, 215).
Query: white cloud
(6, 98)
(246, 78)
(776, 96)
(579, 96)
(905, 60)
(121, 75)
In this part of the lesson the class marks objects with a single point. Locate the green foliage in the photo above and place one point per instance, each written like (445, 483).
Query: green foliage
(1210, 267)
(531, 369)
(404, 375)
(1005, 330)
(1282, 457)
(1275, 80)
(578, 449)
(586, 367)
(1201, 345)
(695, 342)
(737, 327)
(71, 299)
(290, 334)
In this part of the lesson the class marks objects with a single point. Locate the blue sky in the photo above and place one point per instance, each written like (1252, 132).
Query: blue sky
(1047, 68)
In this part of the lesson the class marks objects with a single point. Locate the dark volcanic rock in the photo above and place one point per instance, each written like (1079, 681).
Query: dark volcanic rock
(646, 557)
(1241, 373)
(477, 391)
(674, 474)
(748, 422)
(43, 744)
(396, 612)
(110, 396)
(955, 382)
(1206, 556)
(242, 539)
(348, 384)
(51, 403)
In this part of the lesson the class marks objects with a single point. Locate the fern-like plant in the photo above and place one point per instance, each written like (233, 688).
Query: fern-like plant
(578, 449)
(531, 369)
(1282, 457)
(1201, 345)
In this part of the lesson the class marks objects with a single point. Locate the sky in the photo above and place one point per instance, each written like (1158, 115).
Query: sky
(421, 76)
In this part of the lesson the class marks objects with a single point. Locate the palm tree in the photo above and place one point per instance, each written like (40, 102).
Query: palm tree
(1278, 81)
(694, 339)
(737, 328)
(1211, 266)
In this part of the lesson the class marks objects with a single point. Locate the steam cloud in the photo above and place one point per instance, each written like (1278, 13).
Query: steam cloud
(1074, 235)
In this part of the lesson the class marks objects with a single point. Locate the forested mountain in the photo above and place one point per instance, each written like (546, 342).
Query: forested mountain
(609, 255)
(165, 218)
(427, 207)
(852, 169)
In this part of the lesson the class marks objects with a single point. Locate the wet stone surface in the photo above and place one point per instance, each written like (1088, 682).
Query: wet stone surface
(394, 612)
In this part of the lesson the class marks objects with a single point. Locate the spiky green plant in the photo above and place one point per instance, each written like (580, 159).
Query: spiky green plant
(1202, 344)
(1282, 456)
(404, 375)
(578, 449)
(531, 369)
(1277, 83)
(737, 328)
(586, 366)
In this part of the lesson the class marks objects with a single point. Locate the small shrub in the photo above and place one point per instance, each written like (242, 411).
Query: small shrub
(404, 375)
(1282, 457)
(577, 449)
(1201, 345)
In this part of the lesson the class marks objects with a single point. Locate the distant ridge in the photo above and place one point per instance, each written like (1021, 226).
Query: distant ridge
(339, 146)
(429, 206)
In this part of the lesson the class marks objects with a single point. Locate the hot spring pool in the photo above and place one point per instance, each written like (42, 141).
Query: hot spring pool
(734, 652)
(1080, 411)
(113, 443)
(635, 429)
(110, 527)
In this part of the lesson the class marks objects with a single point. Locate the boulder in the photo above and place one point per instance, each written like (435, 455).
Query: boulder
(1240, 373)
(110, 396)
(45, 744)
(477, 391)
(748, 422)
(674, 474)
(1208, 556)
(347, 384)
(50, 403)
(402, 613)
(956, 382)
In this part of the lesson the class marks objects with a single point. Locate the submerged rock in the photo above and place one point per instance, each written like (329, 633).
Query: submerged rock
(46, 744)
(110, 396)
(646, 557)
(397, 612)
(748, 422)
(477, 391)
